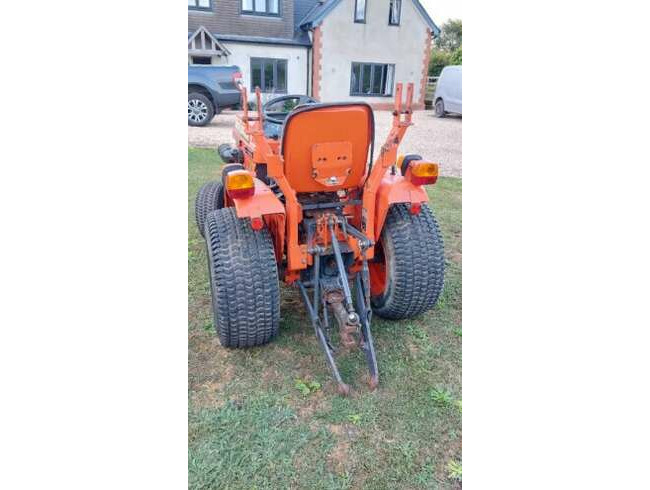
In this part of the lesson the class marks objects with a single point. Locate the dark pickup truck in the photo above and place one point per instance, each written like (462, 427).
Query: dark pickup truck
(209, 90)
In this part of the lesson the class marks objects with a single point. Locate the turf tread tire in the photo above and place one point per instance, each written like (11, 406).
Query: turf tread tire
(414, 253)
(209, 198)
(243, 280)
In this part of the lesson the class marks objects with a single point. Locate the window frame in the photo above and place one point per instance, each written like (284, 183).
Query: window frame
(197, 7)
(359, 83)
(365, 12)
(399, 13)
(261, 14)
(275, 61)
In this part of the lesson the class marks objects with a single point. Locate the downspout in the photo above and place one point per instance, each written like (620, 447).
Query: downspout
(310, 63)
(307, 91)
(317, 55)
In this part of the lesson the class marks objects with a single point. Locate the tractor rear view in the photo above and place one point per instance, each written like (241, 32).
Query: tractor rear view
(301, 200)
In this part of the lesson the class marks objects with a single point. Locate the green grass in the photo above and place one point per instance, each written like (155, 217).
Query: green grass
(269, 417)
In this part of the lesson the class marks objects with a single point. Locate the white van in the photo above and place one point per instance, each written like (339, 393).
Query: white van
(449, 91)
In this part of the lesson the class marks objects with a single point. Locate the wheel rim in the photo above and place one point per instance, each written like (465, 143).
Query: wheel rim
(197, 110)
(439, 108)
(377, 268)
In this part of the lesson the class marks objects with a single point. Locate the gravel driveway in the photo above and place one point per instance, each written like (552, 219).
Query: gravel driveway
(439, 140)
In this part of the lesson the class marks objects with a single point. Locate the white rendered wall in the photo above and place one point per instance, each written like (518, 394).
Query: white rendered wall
(296, 56)
(345, 41)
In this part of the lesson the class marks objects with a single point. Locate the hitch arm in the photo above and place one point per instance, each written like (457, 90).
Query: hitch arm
(343, 388)
(335, 293)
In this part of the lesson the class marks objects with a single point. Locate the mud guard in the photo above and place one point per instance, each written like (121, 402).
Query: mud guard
(395, 189)
(264, 205)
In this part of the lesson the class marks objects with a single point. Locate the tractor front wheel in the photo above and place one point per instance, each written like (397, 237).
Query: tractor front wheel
(209, 198)
(243, 280)
(407, 273)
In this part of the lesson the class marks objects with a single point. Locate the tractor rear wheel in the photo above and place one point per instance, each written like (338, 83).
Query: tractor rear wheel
(209, 198)
(407, 273)
(243, 280)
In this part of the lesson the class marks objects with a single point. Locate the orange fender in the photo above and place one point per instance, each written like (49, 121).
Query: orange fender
(264, 205)
(261, 203)
(394, 189)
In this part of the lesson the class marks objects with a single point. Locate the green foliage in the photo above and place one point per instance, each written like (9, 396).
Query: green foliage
(439, 59)
(457, 56)
(448, 48)
(451, 35)
(307, 387)
(250, 444)
(455, 470)
(441, 397)
(355, 418)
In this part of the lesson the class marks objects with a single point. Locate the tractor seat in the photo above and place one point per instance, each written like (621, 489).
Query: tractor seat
(325, 146)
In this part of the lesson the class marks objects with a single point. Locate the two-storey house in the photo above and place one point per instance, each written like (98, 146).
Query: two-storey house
(333, 50)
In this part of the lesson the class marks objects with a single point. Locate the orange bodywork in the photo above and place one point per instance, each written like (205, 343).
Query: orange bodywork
(324, 150)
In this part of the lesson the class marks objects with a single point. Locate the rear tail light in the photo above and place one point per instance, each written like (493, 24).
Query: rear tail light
(423, 173)
(240, 184)
(416, 207)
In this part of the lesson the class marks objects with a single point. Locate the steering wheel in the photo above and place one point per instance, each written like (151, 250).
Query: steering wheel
(276, 110)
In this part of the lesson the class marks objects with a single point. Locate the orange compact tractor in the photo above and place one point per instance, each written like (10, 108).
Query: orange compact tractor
(301, 200)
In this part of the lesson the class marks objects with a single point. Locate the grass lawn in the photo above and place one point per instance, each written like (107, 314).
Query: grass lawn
(250, 426)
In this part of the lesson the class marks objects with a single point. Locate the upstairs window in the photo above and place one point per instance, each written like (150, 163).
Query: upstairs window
(269, 74)
(360, 11)
(199, 4)
(261, 7)
(201, 60)
(394, 12)
(372, 79)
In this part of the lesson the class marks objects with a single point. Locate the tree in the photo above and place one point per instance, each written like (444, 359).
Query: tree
(456, 57)
(451, 35)
(448, 48)
(439, 59)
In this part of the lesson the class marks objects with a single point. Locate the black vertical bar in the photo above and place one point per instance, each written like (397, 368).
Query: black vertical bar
(359, 79)
(369, 347)
(275, 75)
(316, 281)
(263, 86)
(339, 264)
(323, 340)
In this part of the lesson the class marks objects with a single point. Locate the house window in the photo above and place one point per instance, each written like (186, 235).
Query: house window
(260, 7)
(360, 11)
(394, 12)
(199, 4)
(372, 79)
(269, 74)
(201, 60)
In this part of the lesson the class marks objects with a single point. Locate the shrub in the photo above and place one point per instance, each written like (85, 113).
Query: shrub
(439, 59)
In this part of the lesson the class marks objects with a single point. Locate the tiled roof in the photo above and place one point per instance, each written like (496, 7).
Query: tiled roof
(300, 10)
(300, 39)
(319, 11)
